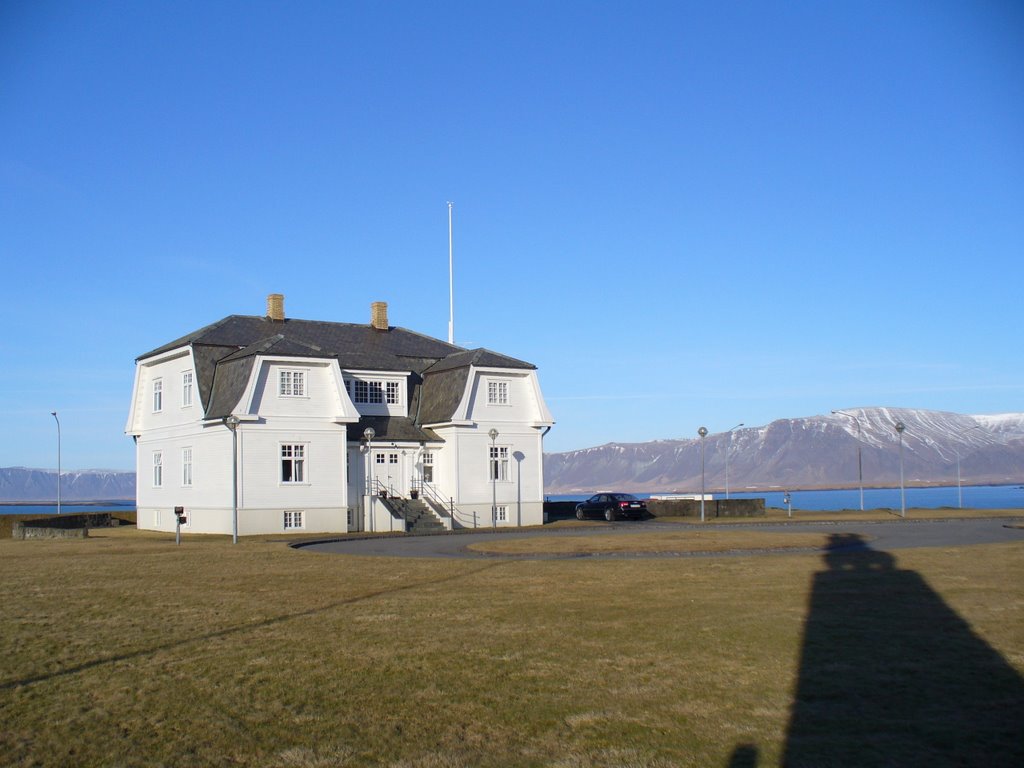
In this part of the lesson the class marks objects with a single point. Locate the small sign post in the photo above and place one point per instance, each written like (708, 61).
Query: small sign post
(179, 518)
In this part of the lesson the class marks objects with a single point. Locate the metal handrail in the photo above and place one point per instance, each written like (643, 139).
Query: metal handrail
(446, 507)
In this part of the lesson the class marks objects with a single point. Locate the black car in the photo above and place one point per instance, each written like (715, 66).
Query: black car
(612, 506)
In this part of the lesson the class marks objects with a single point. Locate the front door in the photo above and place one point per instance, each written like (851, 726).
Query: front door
(390, 474)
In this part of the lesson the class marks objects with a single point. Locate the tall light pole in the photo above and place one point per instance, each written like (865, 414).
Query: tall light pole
(232, 423)
(959, 491)
(494, 478)
(54, 414)
(860, 463)
(728, 448)
(903, 501)
(703, 432)
(369, 433)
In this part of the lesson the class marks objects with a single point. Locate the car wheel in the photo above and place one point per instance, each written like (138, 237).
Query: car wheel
(579, 514)
(609, 514)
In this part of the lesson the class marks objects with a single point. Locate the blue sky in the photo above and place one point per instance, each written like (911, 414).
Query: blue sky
(682, 213)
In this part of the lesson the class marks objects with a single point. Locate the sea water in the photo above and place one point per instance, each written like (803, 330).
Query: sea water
(974, 497)
(51, 509)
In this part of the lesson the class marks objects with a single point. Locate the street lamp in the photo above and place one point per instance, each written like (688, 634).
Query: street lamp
(232, 423)
(494, 478)
(959, 491)
(703, 432)
(54, 414)
(728, 448)
(903, 501)
(860, 463)
(369, 433)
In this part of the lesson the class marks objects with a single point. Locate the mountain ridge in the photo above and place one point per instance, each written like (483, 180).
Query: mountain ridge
(24, 484)
(810, 452)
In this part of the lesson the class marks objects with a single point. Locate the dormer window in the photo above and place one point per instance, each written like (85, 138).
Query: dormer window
(376, 391)
(292, 384)
(497, 392)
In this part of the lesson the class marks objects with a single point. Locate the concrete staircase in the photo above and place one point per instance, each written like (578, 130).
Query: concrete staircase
(419, 518)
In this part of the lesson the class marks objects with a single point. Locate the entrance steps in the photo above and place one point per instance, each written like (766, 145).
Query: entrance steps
(419, 518)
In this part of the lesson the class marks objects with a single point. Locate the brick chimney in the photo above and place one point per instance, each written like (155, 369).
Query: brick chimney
(275, 306)
(379, 315)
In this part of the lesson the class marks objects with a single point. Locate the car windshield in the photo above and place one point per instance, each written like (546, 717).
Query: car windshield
(624, 497)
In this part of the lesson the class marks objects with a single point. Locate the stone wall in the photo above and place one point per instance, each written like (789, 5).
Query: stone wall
(34, 531)
(75, 526)
(712, 508)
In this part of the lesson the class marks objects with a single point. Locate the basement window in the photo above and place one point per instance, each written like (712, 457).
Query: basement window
(292, 520)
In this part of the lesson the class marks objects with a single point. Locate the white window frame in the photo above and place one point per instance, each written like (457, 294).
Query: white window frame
(186, 389)
(497, 464)
(501, 513)
(498, 392)
(158, 395)
(367, 392)
(376, 391)
(186, 467)
(428, 467)
(296, 455)
(158, 469)
(291, 382)
(294, 520)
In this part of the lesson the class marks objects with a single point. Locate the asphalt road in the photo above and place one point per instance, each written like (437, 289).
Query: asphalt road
(880, 536)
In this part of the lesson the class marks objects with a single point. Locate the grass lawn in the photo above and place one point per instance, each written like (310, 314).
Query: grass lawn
(125, 650)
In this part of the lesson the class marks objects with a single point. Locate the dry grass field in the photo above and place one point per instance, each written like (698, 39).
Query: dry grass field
(126, 650)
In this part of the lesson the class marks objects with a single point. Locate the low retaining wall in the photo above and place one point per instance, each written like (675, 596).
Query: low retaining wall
(560, 510)
(74, 526)
(712, 508)
(35, 531)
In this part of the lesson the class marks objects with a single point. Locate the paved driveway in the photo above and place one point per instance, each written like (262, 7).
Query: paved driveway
(881, 536)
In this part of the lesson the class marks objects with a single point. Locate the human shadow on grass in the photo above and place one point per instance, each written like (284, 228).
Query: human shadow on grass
(890, 675)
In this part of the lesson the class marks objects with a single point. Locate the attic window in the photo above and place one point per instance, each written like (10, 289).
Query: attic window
(366, 391)
(497, 392)
(292, 384)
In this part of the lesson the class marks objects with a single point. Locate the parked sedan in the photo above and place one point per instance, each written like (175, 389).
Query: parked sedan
(611, 506)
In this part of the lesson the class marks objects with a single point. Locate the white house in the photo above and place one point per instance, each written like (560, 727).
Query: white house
(274, 424)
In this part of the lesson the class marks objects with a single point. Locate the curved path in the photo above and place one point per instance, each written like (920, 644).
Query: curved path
(881, 536)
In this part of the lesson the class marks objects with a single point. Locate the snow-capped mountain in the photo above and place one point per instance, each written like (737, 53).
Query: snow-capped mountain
(23, 484)
(810, 452)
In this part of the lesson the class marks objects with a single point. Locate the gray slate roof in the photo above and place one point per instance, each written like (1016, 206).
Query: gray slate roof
(226, 351)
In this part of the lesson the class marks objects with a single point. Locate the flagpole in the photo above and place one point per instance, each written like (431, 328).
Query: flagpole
(451, 282)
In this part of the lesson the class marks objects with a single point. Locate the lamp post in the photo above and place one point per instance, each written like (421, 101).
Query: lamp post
(494, 478)
(232, 423)
(903, 501)
(703, 432)
(369, 433)
(54, 414)
(860, 463)
(728, 448)
(959, 491)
